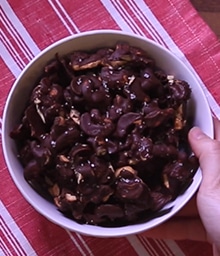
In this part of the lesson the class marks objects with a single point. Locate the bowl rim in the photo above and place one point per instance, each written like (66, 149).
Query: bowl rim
(87, 229)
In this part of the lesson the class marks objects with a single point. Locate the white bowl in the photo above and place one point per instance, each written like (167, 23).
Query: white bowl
(22, 87)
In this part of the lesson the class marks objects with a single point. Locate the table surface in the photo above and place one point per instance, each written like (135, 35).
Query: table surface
(209, 10)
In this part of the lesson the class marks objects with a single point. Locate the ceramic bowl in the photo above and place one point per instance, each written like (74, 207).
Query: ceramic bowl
(198, 110)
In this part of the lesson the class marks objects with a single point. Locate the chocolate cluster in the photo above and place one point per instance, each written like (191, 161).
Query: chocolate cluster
(105, 135)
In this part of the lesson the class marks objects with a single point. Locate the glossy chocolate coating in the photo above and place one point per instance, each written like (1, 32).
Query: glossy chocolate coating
(100, 134)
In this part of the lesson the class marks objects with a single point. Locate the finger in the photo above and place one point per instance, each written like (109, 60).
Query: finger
(179, 229)
(208, 152)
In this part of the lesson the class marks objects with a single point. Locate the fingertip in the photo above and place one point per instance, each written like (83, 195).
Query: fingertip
(196, 133)
(198, 140)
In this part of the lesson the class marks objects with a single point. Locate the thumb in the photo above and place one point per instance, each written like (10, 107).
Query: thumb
(208, 152)
(208, 197)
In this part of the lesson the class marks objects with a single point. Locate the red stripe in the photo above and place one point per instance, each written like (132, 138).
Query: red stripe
(43, 25)
(79, 242)
(5, 245)
(11, 239)
(150, 245)
(6, 82)
(90, 15)
(144, 22)
(9, 39)
(126, 17)
(12, 49)
(155, 246)
(16, 37)
(55, 4)
(110, 246)
(185, 29)
(129, 14)
(164, 247)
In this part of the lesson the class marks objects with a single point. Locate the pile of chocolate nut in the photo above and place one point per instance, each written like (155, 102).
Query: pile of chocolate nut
(104, 133)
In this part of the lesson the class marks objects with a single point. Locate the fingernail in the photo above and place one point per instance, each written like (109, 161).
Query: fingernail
(197, 133)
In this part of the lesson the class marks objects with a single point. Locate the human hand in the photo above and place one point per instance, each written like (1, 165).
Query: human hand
(208, 198)
(200, 218)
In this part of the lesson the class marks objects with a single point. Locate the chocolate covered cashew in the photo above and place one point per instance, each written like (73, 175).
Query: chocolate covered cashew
(105, 133)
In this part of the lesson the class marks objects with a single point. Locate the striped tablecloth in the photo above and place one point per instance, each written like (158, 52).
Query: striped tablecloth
(29, 26)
